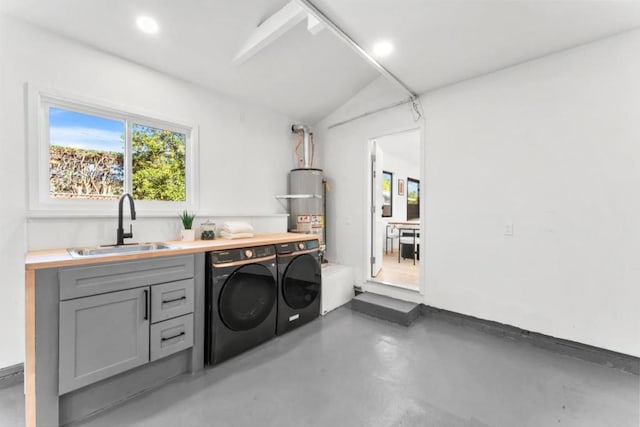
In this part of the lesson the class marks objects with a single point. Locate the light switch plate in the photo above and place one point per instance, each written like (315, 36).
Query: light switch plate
(508, 228)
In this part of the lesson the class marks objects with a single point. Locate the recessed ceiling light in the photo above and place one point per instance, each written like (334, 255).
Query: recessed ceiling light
(382, 48)
(148, 25)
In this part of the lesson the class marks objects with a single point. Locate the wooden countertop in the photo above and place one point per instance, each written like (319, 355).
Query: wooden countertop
(52, 258)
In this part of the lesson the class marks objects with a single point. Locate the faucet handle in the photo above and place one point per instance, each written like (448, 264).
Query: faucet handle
(129, 234)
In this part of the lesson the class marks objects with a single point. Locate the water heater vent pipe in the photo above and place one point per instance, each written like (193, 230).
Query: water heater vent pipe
(306, 149)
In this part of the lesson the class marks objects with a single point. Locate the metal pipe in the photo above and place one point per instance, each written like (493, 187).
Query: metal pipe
(368, 113)
(306, 144)
(320, 16)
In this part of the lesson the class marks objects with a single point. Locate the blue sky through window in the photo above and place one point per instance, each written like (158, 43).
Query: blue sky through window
(78, 130)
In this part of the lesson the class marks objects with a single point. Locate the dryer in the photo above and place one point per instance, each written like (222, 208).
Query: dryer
(241, 297)
(299, 284)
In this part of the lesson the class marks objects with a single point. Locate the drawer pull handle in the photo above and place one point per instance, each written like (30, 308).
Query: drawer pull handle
(175, 336)
(174, 300)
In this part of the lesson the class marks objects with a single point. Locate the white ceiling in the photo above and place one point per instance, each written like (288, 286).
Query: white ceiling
(439, 42)
(305, 76)
(301, 75)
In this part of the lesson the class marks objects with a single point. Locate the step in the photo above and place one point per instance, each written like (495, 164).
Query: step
(337, 286)
(390, 309)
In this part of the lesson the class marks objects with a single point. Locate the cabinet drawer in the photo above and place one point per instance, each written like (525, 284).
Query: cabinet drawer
(96, 279)
(170, 300)
(171, 336)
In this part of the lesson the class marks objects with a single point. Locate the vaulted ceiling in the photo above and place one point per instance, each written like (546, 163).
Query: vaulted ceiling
(307, 76)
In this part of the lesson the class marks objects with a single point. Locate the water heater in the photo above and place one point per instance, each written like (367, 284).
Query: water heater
(306, 190)
(306, 202)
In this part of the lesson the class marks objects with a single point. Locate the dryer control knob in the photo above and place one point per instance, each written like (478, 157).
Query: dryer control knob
(248, 253)
(301, 246)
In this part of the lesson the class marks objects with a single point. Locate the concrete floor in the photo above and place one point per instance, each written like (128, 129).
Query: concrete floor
(347, 369)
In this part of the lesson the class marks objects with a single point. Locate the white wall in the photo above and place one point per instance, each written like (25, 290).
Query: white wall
(551, 145)
(244, 157)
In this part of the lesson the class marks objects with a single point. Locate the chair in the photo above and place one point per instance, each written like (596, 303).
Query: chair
(409, 244)
(391, 234)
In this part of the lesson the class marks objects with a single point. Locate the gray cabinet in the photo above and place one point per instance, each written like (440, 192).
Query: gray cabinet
(101, 336)
(107, 312)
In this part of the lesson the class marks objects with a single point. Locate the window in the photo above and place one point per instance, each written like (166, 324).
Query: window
(413, 199)
(88, 155)
(387, 194)
(158, 164)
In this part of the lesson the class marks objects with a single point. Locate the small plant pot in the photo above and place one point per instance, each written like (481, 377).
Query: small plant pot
(187, 235)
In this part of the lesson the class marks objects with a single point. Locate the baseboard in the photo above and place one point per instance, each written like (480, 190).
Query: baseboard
(11, 375)
(600, 356)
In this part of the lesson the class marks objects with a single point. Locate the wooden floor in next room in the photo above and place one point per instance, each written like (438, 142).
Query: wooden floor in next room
(402, 273)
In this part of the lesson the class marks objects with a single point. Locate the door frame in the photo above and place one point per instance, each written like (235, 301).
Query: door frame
(371, 284)
(375, 197)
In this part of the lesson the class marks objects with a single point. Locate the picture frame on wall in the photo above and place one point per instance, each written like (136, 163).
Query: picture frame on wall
(401, 187)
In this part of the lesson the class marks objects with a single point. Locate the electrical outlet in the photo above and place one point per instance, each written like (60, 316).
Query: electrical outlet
(508, 228)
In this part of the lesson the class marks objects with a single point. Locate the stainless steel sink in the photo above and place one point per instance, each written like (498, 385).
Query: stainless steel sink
(116, 250)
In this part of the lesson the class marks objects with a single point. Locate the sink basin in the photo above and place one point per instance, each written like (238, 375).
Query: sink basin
(116, 250)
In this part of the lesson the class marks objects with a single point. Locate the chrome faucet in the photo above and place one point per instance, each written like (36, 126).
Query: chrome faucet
(121, 234)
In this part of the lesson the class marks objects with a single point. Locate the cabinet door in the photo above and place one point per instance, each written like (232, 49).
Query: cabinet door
(102, 335)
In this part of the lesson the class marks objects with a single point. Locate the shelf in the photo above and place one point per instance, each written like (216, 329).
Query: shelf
(299, 196)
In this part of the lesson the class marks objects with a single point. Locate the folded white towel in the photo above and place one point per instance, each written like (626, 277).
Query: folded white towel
(233, 227)
(227, 235)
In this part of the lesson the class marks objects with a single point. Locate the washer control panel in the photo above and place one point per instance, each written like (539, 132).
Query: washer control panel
(243, 254)
(288, 248)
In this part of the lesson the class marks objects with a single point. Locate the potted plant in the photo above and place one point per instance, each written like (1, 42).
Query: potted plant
(188, 234)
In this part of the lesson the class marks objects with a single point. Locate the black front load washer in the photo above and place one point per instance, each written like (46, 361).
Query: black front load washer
(299, 284)
(241, 298)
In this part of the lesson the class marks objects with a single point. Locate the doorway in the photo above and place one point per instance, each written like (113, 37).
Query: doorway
(395, 209)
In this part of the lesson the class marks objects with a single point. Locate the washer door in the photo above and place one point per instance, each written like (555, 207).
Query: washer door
(247, 297)
(301, 282)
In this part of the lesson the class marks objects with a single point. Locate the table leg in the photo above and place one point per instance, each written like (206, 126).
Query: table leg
(414, 247)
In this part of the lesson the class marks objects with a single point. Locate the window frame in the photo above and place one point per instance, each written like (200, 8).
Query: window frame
(41, 205)
(417, 205)
(390, 174)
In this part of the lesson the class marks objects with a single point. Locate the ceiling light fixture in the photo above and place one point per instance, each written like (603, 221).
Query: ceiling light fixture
(382, 48)
(148, 25)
